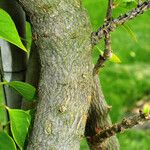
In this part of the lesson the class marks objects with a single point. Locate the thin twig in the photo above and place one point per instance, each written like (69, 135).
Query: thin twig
(111, 25)
(108, 51)
(109, 10)
(121, 127)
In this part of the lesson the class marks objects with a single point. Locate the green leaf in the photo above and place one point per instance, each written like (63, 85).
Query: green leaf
(3, 83)
(25, 89)
(28, 35)
(3, 114)
(146, 110)
(114, 58)
(99, 50)
(127, 1)
(130, 32)
(8, 30)
(6, 142)
(19, 124)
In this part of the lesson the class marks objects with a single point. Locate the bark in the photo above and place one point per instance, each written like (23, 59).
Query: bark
(63, 40)
(61, 33)
(98, 120)
(13, 59)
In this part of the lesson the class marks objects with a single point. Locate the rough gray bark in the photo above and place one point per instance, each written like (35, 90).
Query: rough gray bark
(63, 40)
(13, 59)
(98, 120)
(61, 33)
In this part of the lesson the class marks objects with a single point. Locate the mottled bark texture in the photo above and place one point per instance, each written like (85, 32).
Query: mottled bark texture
(98, 120)
(13, 59)
(63, 40)
(61, 33)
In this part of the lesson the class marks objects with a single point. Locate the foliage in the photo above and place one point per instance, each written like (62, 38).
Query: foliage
(8, 30)
(19, 120)
(25, 89)
(19, 124)
(7, 142)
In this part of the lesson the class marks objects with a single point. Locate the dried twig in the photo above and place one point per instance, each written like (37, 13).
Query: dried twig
(121, 127)
(112, 24)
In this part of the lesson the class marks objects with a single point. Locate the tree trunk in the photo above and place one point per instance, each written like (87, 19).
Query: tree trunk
(61, 33)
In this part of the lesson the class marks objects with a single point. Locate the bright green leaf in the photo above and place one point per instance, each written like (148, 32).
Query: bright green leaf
(130, 32)
(3, 83)
(114, 58)
(28, 35)
(19, 124)
(146, 110)
(8, 30)
(127, 1)
(6, 142)
(25, 89)
(3, 115)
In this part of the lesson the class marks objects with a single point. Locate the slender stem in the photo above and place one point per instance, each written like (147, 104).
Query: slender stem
(109, 10)
(112, 24)
(108, 51)
(125, 124)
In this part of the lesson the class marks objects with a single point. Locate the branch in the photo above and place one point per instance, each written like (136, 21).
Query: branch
(107, 52)
(111, 25)
(98, 118)
(109, 10)
(121, 127)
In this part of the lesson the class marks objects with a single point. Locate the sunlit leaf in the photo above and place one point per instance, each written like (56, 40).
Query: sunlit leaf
(146, 110)
(115, 58)
(127, 1)
(8, 30)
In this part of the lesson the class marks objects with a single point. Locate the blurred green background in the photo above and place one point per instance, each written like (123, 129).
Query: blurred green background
(126, 83)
